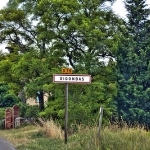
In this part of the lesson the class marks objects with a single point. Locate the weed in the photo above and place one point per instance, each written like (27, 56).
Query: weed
(49, 136)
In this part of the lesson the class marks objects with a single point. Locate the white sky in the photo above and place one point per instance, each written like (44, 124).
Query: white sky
(118, 8)
(3, 3)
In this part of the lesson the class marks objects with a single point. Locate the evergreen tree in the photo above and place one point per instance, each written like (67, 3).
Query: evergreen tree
(133, 65)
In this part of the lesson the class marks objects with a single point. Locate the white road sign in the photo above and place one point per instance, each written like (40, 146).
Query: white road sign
(72, 78)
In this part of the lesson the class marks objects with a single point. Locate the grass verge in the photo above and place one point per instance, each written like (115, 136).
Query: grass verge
(50, 137)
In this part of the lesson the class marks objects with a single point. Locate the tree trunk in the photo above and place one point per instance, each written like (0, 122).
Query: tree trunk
(40, 96)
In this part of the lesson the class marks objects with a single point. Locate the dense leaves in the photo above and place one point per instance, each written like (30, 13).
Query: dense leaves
(44, 36)
(133, 66)
(27, 111)
(7, 99)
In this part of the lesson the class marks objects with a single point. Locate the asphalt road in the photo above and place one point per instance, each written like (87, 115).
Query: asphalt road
(5, 145)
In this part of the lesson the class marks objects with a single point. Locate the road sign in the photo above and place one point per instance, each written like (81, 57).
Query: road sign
(66, 70)
(72, 78)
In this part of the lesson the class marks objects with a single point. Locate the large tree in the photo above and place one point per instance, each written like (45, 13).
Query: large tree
(81, 29)
(43, 33)
(133, 65)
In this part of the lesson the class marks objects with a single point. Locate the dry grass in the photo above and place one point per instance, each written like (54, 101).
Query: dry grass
(19, 136)
(23, 135)
(112, 137)
(52, 129)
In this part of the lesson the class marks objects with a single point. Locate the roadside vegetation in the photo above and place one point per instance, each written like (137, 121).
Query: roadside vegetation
(44, 36)
(51, 137)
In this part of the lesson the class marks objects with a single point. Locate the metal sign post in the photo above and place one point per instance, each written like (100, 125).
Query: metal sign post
(70, 78)
(66, 112)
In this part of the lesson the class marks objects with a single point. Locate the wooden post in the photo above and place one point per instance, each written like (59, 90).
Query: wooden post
(100, 121)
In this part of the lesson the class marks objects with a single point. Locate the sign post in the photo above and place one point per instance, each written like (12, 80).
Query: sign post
(66, 77)
(66, 112)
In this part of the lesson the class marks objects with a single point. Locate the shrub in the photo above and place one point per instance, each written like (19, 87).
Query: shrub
(2, 124)
(2, 113)
(28, 111)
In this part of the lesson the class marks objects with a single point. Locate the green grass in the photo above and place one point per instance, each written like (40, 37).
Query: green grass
(50, 137)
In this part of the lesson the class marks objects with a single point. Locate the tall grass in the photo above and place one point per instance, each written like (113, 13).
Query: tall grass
(50, 136)
(125, 138)
(52, 129)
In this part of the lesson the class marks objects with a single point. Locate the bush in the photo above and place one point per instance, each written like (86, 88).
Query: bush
(28, 111)
(2, 113)
(2, 124)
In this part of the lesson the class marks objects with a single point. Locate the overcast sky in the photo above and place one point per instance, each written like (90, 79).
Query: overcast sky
(119, 7)
(3, 3)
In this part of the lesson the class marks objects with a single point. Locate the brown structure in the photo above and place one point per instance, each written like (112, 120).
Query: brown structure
(11, 115)
(15, 114)
(8, 118)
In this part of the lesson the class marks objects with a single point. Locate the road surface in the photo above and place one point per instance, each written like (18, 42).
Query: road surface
(5, 145)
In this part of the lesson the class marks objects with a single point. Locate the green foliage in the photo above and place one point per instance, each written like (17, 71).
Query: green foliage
(76, 29)
(84, 100)
(32, 112)
(2, 113)
(7, 99)
(67, 33)
(2, 123)
(28, 111)
(133, 66)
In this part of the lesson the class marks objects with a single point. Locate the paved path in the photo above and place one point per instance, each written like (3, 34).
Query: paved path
(5, 145)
